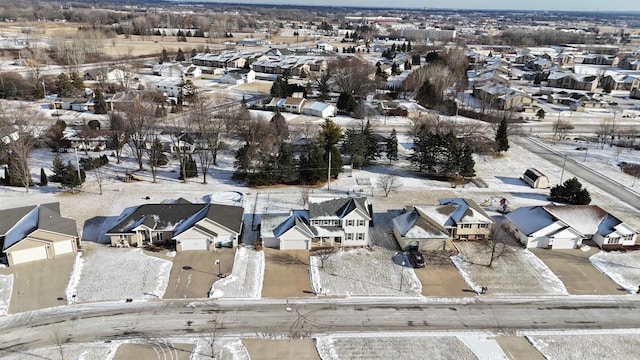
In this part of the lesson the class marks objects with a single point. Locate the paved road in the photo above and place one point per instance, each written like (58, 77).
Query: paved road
(117, 320)
(601, 182)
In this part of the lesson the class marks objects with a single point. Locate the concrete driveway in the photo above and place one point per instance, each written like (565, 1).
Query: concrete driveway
(292, 349)
(39, 284)
(574, 269)
(193, 272)
(440, 278)
(286, 274)
(159, 350)
(517, 347)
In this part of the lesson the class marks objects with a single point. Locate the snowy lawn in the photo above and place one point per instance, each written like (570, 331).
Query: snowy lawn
(6, 287)
(465, 346)
(363, 272)
(107, 273)
(587, 346)
(515, 272)
(88, 351)
(623, 268)
(245, 280)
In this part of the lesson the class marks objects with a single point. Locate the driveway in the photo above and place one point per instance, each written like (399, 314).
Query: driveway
(154, 350)
(292, 349)
(440, 278)
(517, 347)
(193, 272)
(286, 274)
(577, 273)
(39, 284)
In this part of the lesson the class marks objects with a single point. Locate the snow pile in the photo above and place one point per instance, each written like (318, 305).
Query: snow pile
(620, 267)
(483, 346)
(362, 272)
(389, 347)
(88, 351)
(245, 280)
(120, 273)
(587, 346)
(6, 287)
(515, 271)
(74, 280)
(170, 254)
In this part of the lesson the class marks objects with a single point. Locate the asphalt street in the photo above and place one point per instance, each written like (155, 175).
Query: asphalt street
(578, 169)
(153, 319)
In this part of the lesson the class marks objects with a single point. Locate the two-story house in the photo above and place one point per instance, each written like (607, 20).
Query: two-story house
(328, 222)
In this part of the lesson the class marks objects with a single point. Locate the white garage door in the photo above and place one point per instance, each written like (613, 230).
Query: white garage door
(565, 243)
(27, 255)
(194, 244)
(294, 245)
(63, 247)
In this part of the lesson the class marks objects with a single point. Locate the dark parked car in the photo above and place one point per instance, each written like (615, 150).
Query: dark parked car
(416, 258)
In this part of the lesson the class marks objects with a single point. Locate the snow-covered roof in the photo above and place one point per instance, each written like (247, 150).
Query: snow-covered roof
(28, 219)
(467, 211)
(584, 218)
(530, 219)
(414, 226)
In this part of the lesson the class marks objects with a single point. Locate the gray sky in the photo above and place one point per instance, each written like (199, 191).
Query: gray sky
(578, 5)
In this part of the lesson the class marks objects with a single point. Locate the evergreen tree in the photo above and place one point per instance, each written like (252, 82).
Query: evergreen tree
(571, 191)
(164, 57)
(409, 46)
(407, 65)
(180, 55)
(43, 178)
(11, 91)
(190, 168)
(502, 140)
(64, 85)
(99, 104)
(313, 167)
(279, 126)
(337, 163)
(77, 83)
(7, 178)
(346, 102)
(287, 165)
(371, 140)
(194, 52)
(467, 164)
(70, 179)
(427, 95)
(355, 145)
(280, 88)
(58, 169)
(540, 114)
(392, 146)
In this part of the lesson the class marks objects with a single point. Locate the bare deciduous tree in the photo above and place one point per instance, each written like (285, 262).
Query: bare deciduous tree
(351, 75)
(388, 183)
(139, 126)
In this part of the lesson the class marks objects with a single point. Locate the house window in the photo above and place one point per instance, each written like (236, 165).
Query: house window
(325, 222)
(465, 226)
(350, 223)
(360, 222)
(614, 240)
(160, 236)
(123, 237)
(483, 226)
(360, 236)
(349, 236)
(464, 236)
(480, 236)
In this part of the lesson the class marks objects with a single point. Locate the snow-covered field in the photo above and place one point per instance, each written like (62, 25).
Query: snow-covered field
(245, 280)
(619, 346)
(118, 273)
(436, 346)
(6, 287)
(363, 272)
(623, 268)
(516, 272)
(89, 351)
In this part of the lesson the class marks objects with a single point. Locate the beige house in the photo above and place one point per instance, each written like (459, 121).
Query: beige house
(502, 98)
(34, 233)
(427, 227)
(190, 226)
(569, 80)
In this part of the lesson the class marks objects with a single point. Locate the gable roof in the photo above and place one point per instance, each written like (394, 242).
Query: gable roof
(179, 217)
(465, 211)
(584, 218)
(338, 207)
(14, 227)
(413, 224)
(530, 219)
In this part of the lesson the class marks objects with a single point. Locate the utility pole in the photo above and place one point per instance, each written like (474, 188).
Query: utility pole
(329, 172)
(78, 164)
(563, 164)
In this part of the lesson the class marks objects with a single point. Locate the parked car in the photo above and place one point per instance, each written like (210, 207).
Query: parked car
(416, 258)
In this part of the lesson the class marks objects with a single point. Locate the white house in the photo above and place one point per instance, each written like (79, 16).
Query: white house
(237, 77)
(169, 70)
(565, 227)
(328, 222)
(191, 226)
(169, 87)
(192, 72)
(318, 108)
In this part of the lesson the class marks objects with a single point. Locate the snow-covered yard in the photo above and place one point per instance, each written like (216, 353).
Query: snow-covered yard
(106, 273)
(245, 280)
(429, 346)
(623, 268)
(517, 271)
(619, 346)
(6, 287)
(88, 351)
(363, 272)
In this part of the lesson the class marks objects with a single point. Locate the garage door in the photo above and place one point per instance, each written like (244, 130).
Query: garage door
(63, 247)
(565, 243)
(27, 255)
(294, 245)
(194, 244)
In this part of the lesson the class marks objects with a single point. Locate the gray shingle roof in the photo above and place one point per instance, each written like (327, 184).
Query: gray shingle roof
(338, 207)
(17, 223)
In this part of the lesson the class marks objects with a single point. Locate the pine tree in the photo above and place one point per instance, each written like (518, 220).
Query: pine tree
(7, 178)
(180, 55)
(467, 164)
(70, 177)
(279, 126)
(77, 83)
(99, 104)
(164, 57)
(502, 140)
(392, 146)
(190, 168)
(43, 178)
(64, 86)
(58, 169)
(409, 46)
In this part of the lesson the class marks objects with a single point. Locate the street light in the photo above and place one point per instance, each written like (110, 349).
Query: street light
(402, 276)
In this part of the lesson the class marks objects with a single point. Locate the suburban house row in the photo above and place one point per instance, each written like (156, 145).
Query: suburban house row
(39, 232)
